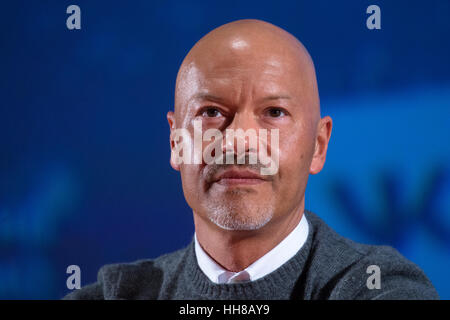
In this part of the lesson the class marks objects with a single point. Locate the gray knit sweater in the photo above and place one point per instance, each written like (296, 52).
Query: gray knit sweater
(328, 266)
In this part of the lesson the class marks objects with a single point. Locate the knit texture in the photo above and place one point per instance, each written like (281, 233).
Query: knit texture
(328, 266)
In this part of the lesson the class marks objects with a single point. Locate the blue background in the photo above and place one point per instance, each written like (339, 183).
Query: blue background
(84, 142)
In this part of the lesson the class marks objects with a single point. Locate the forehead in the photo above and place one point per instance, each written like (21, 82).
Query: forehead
(234, 76)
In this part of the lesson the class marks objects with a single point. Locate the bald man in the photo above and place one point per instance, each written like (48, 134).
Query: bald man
(253, 237)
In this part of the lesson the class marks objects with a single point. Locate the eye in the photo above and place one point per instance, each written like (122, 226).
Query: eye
(211, 112)
(275, 112)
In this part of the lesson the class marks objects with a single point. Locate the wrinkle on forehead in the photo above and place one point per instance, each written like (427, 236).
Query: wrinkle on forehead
(246, 47)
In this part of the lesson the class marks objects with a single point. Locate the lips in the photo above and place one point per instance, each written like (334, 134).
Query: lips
(239, 177)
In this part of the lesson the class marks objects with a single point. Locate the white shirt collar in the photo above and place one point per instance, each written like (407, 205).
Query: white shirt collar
(271, 261)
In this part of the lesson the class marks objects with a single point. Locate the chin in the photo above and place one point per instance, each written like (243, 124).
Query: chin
(239, 217)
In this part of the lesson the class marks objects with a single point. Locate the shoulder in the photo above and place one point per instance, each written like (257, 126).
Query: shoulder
(141, 279)
(351, 270)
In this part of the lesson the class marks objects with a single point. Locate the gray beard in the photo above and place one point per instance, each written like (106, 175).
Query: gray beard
(227, 216)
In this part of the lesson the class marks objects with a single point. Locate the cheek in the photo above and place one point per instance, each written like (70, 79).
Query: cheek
(190, 180)
(296, 150)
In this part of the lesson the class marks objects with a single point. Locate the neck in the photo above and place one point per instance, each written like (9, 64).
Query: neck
(235, 250)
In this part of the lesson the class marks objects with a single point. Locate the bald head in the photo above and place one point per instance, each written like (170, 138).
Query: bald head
(245, 50)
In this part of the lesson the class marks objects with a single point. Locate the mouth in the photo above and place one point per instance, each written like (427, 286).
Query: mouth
(235, 177)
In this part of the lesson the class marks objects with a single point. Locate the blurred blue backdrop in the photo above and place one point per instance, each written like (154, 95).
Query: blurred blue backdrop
(84, 143)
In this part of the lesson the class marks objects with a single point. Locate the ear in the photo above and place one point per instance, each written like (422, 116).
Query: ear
(172, 125)
(322, 138)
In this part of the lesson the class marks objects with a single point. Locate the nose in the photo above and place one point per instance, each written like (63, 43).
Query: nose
(241, 134)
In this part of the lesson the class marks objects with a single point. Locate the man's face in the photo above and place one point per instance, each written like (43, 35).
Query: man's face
(247, 89)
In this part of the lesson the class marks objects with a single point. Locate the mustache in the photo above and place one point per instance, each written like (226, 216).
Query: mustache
(245, 161)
